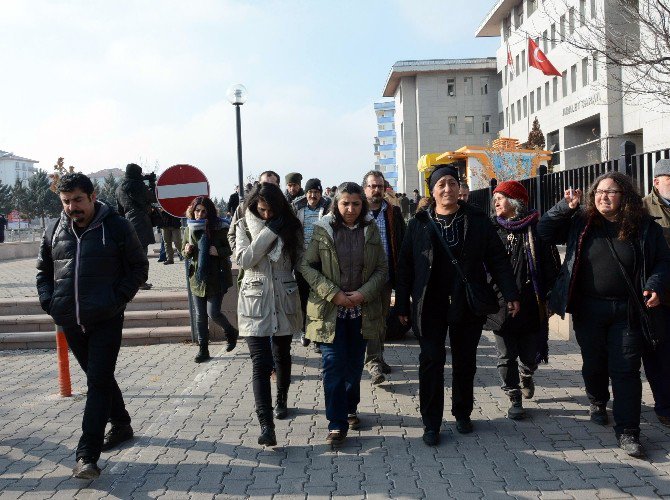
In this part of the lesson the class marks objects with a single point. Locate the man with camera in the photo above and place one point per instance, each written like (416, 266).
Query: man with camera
(134, 201)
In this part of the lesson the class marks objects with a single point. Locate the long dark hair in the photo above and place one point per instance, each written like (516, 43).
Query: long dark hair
(290, 231)
(349, 188)
(631, 209)
(212, 215)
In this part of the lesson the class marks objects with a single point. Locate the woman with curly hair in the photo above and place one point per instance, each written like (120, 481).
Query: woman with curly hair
(268, 246)
(615, 271)
(206, 244)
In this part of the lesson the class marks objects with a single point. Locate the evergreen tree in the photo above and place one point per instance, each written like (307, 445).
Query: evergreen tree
(20, 198)
(535, 137)
(40, 200)
(108, 191)
(6, 204)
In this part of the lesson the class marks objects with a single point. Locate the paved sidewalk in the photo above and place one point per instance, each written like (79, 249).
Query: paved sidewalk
(196, 435)
(17, 277)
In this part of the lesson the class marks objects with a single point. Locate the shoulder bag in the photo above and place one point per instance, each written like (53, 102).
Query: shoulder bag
(481, 298)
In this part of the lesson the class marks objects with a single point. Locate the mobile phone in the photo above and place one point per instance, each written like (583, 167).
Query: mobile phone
(571, 192)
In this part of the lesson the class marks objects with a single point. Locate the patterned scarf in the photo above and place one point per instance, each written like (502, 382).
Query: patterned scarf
(203, 247)
(525, 227)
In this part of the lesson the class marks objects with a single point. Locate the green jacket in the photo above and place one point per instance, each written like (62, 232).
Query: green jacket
(321, 269)
(658, 209)
(219, 267)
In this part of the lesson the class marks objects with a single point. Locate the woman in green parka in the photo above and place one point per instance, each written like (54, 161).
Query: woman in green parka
(345, 266)
(210, 277)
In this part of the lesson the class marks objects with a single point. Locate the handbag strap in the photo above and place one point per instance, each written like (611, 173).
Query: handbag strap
(454, 260)
(629, 284)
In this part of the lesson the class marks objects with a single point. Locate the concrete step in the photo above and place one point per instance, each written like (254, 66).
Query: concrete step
(133, 319)
(131, 336)
(143, 301)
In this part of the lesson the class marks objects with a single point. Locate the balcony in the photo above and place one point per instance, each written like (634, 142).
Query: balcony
(387, 161)
(385, 119)
(387, 147)
(386, 133)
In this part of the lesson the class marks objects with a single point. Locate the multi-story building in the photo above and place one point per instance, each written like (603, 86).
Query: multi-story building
(13, 168)
(583, 113)
(385, 144)
(441, 105)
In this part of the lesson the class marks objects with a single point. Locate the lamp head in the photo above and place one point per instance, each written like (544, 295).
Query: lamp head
(237, 94)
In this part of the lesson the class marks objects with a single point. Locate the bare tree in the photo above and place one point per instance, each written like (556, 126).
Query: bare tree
(631, 36)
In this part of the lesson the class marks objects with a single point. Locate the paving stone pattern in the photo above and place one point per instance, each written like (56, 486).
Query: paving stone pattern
(196, 435)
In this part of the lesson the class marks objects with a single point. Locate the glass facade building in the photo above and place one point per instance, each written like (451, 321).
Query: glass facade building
(385, 142)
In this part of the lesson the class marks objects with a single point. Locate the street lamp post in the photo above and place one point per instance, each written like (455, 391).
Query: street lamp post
(237, 95)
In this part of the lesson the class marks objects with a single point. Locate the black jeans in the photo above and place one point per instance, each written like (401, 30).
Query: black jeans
(303, 290)
(657, 369)
(263, 351)
(463, 339)
(208, 307)
(516, 356)
(610, 350)
(96, 351)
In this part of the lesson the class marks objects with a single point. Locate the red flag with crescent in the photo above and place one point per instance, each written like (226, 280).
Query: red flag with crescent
(509, 57)
(537, 59)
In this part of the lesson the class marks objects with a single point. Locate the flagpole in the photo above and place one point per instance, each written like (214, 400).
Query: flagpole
(527, 73)
(509, 127)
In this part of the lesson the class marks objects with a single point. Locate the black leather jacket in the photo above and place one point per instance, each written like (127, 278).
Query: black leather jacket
(88, 279)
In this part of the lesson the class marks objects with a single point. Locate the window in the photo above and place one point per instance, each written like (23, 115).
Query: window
(565, 83)
(511, 74)
(593, 8)
(553, 36)
(555, 89)
(486, 124)
(401, 93)
(513, 115)
(484, 84)
(507, 115)
(518, 109)
(523, 60)
(595, 67)
(585, 72)
(546, 94)
(573, 78)
(532, 102)
(507, 27)
(467, 82)
(525, 106)
(451, 87)
(553, 144)
(505, 77)
(518, 15)
(469, 124)
(582, 12)
(531, 6)
(452, 125)
(562, 28)
(545, 48)
(501, 120)
(516, 66)
(18, 166)
(571, 20)
(539, 98)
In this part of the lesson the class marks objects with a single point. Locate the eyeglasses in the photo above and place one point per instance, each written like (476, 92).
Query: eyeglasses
(608, 192)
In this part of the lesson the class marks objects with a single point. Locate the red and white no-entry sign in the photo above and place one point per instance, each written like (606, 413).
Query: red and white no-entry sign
(178, 185)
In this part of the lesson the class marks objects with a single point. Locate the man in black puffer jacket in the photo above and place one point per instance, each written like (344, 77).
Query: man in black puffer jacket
(90, 265)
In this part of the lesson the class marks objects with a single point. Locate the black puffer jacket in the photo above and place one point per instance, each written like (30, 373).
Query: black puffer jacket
(481, 247)
(90, 279)
(563, 225)
(134, 202)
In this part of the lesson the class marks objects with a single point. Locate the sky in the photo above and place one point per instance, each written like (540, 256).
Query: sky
(106, 83)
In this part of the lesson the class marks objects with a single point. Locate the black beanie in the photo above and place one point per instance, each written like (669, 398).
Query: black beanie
(439, 172)
(313, 184)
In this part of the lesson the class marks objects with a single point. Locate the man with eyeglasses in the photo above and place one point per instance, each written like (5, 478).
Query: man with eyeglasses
(391, 225)
(656, 367)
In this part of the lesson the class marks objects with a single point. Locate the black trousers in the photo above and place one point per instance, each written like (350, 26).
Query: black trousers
(610, 350)
(96, 350)
(516, 357)
(303, 290)
(463, 340)
(263, 351)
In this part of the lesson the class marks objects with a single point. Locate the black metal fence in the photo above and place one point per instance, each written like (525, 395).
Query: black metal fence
(545, 190)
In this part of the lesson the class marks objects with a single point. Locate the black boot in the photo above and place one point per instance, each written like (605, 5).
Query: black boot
(231, 338)
(281, 410)
(267, 437)
(203, 353)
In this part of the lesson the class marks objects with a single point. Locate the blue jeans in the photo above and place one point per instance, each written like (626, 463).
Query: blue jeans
(209, 306)
(342, 370)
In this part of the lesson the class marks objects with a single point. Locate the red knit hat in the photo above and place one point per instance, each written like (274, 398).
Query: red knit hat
(513, 189)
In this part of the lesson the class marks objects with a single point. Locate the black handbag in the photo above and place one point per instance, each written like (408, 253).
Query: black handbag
(653, 321)
(481, 298)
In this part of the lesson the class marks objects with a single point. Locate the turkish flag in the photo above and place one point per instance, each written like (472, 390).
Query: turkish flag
(537, 59)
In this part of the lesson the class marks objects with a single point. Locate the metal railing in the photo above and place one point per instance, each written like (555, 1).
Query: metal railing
(547, 189)
(23, 234)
